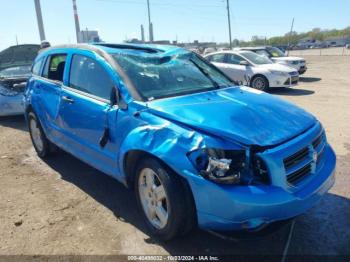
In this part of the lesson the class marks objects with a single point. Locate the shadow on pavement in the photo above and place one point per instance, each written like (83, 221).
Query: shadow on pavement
(325, 227)
(16, 122)
(291, 91)
(309, 79)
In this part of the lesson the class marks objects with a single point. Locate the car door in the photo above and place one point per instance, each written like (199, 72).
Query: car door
(85, 111)
(233, 68)
(46, 93)
(217, 59)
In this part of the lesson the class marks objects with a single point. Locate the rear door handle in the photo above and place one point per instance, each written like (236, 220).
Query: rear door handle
(68, 99)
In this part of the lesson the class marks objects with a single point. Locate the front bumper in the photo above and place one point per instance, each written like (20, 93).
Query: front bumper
(11, 105)
(222, 207)
(302, 70)
(283, 81)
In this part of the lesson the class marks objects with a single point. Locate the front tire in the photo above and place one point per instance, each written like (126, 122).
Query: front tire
(164, 201)
(40, 142)
(260, 83)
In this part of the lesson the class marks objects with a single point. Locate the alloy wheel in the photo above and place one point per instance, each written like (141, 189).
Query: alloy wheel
(153, 198)
(36, 135)
(259, 83)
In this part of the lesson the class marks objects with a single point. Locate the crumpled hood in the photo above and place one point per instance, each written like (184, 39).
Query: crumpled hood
(242, 114)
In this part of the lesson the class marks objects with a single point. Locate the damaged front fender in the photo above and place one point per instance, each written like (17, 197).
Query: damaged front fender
(166, 141)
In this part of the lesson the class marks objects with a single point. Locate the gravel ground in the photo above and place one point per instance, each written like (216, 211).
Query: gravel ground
(62, 206)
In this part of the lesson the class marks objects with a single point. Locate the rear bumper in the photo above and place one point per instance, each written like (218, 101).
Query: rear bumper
(249, 207)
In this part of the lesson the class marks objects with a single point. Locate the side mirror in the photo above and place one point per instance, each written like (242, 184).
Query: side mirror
(244, 63)
(116, 99)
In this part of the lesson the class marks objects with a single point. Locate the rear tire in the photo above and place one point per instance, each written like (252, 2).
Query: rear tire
(260, 83)
(166, 204)
(41, 144)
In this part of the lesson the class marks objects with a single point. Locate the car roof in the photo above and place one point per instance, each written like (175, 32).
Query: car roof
(112, 48)
(254, 48)
(237, 52)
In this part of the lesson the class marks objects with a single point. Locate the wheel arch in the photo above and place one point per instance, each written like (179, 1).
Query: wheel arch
(129, 169)
(133, 156)
(259, 75)
(27, 110)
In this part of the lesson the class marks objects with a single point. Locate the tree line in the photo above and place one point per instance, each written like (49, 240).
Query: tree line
(294, 37)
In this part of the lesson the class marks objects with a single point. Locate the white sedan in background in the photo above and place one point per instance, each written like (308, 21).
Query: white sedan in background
(251, 69)
(277, 56)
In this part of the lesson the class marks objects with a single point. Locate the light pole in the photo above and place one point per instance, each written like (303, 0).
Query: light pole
(229, 22)
(150, 26)
(290, 35)
(76, 20)
(39, 18)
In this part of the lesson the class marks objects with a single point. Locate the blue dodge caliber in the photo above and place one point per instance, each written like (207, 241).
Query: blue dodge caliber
(196, 148)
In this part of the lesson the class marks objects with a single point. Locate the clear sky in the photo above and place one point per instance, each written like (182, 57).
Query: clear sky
(186, 20)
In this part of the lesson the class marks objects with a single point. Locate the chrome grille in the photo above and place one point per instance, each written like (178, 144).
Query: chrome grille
(300, 164)
(298, 175)
(317, 146)
(296, 158)
(317, 141)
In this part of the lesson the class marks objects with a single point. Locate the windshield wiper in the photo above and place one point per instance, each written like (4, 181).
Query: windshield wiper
(204, 72)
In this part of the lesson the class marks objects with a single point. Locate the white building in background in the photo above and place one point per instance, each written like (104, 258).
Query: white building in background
(88, 36)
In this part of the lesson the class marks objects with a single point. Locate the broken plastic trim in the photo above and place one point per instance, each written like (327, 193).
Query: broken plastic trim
(219, 166)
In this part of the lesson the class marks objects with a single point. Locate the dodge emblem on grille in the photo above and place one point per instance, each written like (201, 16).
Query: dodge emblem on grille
(314, 156)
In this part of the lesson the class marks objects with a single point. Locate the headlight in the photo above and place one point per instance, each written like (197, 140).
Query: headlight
(278, 73)
(220, 166)
(294, 62)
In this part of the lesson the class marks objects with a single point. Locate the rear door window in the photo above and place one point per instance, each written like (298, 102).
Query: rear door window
(54, 67)
(88, 76)
(234, 59)
(218, 58)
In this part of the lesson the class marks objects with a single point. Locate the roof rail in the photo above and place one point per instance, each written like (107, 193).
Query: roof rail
(126, 46)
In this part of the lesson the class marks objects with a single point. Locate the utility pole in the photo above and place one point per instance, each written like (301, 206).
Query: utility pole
(229, 22)
(39, 18)
(290, 35)
(150, 25)
(142, 34)
(76, 19)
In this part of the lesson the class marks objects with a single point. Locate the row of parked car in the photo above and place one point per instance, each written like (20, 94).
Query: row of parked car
(196, 148)
(259, 67)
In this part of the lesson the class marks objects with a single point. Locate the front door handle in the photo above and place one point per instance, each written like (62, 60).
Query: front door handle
(68, 99)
